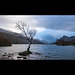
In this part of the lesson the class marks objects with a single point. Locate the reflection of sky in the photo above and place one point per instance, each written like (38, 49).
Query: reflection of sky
(49, 27)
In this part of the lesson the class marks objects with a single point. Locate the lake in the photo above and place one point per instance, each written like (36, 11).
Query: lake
(49, 52)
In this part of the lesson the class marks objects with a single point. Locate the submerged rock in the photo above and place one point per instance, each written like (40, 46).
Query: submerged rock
(37, 53)
(9, 56)
(19, 57)
(12, 54)
(47, 56)
(5, 54)
(24, 58)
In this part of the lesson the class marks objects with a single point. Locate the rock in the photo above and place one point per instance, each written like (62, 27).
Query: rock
(24, 58)
(4, 54)
(9, 56)
(25, 53)
(47, 56)
(37, 53)
(19, 57)
(12, 54)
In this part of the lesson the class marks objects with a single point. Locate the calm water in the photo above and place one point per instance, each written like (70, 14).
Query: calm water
(50, 52)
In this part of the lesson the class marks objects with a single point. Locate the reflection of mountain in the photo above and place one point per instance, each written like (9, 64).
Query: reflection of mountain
(16, 38)
(65, 40)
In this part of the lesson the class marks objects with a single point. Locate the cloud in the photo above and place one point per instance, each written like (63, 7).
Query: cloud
(59, 22)
(9, 21)
(55, 22)
(49, 27)
(52, 35)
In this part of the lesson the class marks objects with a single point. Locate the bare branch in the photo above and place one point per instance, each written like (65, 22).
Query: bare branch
(29, 33)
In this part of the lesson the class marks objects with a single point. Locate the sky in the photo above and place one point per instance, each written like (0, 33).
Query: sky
(49, 27)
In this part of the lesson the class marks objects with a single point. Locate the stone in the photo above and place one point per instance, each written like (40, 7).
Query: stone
(4, 54)
(25, 53)
(24, 58)
(19, 57)
(9, 56)
(37, 53)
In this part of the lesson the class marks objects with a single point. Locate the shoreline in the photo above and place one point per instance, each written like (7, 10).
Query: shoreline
(15, 56)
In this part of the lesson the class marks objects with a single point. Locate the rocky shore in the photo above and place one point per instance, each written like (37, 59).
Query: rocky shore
(15, 56)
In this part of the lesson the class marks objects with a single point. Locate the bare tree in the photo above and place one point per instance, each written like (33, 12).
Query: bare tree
(28, 32)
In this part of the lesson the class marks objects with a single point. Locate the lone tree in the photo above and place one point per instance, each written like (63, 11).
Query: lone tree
(28, 32)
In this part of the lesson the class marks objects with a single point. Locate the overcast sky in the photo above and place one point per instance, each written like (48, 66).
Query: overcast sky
(53, 25)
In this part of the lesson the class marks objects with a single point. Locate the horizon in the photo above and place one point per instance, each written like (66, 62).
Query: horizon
(49, 27)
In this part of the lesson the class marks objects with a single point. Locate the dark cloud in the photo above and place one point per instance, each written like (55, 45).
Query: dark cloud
(61, 22)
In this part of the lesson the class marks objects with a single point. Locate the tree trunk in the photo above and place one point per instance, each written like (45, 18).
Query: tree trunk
(28, 47)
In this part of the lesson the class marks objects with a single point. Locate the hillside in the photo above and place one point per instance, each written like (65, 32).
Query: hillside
(65, 40)
(4, 41)
(16, 38)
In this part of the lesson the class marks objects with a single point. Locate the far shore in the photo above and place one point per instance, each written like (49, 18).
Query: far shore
(22, 44)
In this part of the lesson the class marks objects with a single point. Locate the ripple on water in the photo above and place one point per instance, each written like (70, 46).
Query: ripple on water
(49, 51)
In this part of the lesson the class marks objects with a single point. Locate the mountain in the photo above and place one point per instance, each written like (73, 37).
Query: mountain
(4, 41)
(44, 41)
(17, 38)
(48, 39)
(6, 31)
(65, 40)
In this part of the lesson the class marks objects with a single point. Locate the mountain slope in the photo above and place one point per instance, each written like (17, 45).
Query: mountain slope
(17, 38)
(65, 40)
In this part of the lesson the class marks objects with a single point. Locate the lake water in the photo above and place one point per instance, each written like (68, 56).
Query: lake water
(50, 52)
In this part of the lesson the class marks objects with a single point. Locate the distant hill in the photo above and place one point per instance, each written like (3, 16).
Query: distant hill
(65, 40)
(47, 38)
(4, 41)
(17, 38)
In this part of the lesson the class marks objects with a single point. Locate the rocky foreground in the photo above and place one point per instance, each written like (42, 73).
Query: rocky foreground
(15, 56)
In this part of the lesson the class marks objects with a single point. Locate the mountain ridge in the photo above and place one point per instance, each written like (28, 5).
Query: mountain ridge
(17, 38)
(65, 40)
